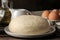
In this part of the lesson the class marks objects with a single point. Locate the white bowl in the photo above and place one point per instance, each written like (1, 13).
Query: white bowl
(58, 25)
(52, 22)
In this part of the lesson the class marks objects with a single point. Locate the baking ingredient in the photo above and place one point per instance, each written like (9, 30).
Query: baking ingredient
(54, 15)
(45, 14)
(29, 25)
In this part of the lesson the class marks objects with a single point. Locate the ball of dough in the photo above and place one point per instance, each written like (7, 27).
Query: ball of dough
(29, 25)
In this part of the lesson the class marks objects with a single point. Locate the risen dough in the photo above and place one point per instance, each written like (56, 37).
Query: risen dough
(29, 24)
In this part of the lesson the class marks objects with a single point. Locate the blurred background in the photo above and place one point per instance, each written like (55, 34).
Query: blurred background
(35, 5)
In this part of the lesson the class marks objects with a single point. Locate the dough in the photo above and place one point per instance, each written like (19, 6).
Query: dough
(29, 25)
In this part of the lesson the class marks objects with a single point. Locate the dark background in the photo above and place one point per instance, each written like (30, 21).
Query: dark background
(34, 5)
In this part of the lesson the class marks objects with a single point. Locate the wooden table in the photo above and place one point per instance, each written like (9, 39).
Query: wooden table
(11, 38)
(54, 36)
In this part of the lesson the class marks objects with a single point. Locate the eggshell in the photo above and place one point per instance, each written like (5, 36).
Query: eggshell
(59, 14)
(45, 14)
(54, 15)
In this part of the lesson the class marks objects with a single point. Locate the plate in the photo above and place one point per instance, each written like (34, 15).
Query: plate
(52, 30)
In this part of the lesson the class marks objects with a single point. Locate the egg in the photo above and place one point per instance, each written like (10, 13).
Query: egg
(54, 15)
(59, 13)
(45, 14)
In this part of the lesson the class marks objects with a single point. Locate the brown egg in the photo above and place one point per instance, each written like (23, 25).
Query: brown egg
(45, 14)
(54, 15)
(59, 13)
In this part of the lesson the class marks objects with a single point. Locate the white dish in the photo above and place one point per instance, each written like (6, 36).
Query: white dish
(52, 30)
(52, 22)
(58, 25)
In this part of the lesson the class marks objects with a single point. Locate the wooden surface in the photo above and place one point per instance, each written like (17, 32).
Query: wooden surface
(54, 36)
(11, 38)
(8, 38)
